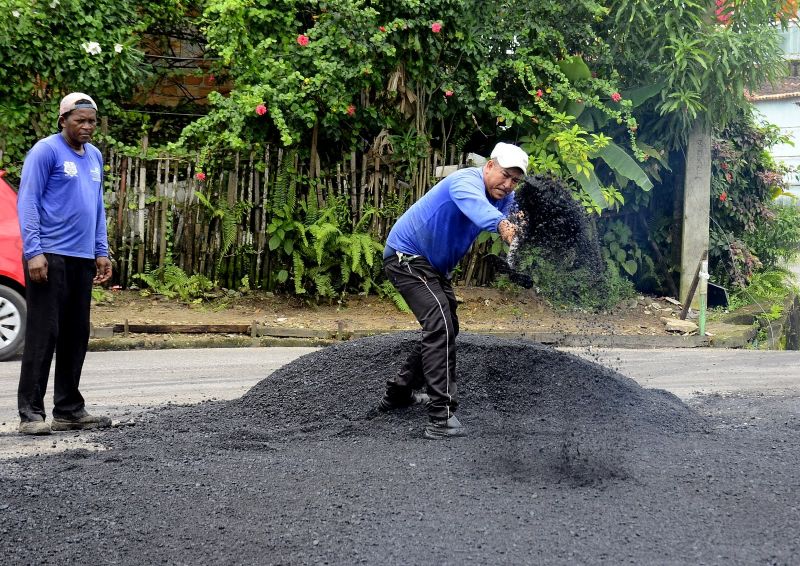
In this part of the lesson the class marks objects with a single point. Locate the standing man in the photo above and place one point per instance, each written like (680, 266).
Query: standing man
(423, 247)
(65, 248)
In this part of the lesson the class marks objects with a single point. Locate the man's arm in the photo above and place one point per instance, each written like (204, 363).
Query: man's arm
(102, 262)
(35, 173)
(100, 231)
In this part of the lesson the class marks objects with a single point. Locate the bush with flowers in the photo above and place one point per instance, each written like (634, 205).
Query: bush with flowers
(601, 93)
(750, 229)
(52, 47)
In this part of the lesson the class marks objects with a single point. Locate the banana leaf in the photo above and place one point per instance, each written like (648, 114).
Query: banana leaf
(639, 95)
(590, 184)
(574, 68)
(620, 162)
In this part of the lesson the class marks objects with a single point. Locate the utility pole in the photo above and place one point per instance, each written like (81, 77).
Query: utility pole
(696, 205)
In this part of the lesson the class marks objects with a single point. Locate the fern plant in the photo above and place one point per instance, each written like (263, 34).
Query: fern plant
(229, 219)
(386, 289)
(332, 259)
(171, 281)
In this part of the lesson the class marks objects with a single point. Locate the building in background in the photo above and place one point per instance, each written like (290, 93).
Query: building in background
(780, 105)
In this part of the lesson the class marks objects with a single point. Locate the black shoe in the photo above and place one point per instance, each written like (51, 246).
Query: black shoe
(444, 428)
(83, 422)
(390, 403)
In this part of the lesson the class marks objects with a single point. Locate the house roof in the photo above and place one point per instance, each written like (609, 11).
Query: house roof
(788, 88)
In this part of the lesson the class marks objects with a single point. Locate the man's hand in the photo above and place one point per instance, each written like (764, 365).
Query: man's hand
(37, 268)
(103, 270)
(507, 230)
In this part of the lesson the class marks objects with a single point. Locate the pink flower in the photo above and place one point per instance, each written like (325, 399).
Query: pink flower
(539, 93)
(723, 197)
(302, 40)
(729, 176)
(448, 93)
(382, 28)
(261, 109)
(436, 27)
(616, 97)
(351, 110)
(211, 79)
(200, 176)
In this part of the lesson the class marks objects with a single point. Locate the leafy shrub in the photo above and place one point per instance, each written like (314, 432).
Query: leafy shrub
(386, 289)
(771, 285)
(564, 286)
(171, 281)
(776, 239)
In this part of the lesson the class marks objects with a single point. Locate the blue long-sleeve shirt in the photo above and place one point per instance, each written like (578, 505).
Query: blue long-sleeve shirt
(442, 225)
(60, 201)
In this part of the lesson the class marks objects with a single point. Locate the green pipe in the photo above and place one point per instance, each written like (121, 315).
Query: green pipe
(701, 321)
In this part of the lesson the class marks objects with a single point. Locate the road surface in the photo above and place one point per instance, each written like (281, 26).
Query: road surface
(126, 384)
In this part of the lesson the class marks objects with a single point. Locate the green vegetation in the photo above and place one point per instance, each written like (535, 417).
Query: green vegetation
(172, 282)
(601, 93)
(564, 285)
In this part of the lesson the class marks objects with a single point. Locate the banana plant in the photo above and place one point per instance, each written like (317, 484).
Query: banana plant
(576, 140)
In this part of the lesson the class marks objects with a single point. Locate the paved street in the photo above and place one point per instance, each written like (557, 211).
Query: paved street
(126, 384)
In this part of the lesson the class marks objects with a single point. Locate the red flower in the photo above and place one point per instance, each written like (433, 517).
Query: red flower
(382, 28)
(211, 79)
(436, 27)
(723, 14)
(723, 197)
(200, 176)
(448, 93)
(724, 166)
(539, 93)
(351, 110)
(729, 176)
(261, 109)
(616, 97)
(302, 40)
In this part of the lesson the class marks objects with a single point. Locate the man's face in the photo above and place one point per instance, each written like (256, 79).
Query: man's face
(500, 181)
(78, 126)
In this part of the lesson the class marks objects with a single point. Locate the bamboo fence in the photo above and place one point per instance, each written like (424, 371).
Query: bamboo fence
(155, 216)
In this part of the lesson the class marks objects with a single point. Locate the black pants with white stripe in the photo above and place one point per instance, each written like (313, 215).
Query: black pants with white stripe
(432, 361)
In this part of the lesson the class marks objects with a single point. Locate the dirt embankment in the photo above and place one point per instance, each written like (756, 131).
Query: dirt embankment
(480, 309)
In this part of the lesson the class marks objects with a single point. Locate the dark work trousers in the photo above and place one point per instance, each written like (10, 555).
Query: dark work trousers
(58, 321)
(432, 361)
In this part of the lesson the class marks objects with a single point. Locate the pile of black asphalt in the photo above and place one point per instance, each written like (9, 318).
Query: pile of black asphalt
(557, 225)
(566, 462)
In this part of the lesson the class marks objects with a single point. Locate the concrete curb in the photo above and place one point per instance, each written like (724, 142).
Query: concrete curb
(110, 338)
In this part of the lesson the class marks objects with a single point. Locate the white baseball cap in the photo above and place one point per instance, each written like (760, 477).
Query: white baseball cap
(70, 103)
(509, 155)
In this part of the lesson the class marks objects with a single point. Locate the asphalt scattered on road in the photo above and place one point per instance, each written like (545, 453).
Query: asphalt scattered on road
(566, 462)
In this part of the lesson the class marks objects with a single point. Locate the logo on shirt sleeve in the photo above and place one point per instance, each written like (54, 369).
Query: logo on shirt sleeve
(70, 169)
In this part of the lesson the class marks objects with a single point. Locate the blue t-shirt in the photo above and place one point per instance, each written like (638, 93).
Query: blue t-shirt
(442, 225)
(60, 201)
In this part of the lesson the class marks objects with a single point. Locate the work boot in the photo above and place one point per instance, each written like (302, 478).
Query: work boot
(390, 403)
(37, 428)
(82, 421)
(438, 429)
